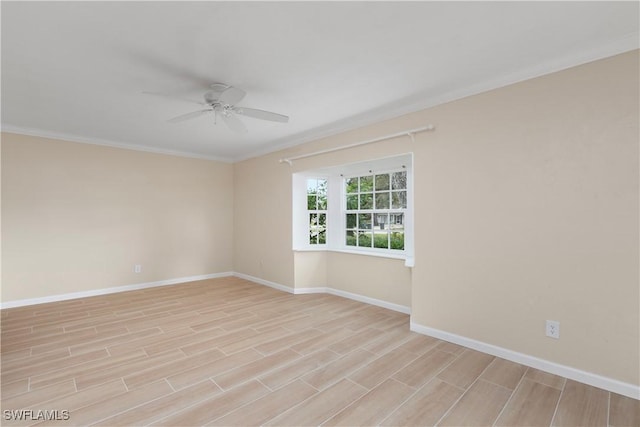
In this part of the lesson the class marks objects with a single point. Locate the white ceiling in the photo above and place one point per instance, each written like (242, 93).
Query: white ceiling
(77, 70)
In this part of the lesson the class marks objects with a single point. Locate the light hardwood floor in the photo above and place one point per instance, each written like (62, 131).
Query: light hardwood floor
(231, 352)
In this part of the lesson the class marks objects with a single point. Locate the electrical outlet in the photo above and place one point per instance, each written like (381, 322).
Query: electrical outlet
(137, 268)
(553, 329)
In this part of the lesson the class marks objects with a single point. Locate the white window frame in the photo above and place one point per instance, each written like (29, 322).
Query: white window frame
(300, 216)
(372, 211)
(336, 207)
(317, 212)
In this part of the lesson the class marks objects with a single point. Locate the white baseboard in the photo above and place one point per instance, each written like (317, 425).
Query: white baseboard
(327, 290)
(113, 290)
(274, 285)
(296, 291)
(589, 378)
(318, 290)
(368, 300)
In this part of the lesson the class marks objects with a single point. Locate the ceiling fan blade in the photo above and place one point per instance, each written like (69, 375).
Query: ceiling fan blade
(232, 95)
(261, 114)
(234, 123)
(188, 116)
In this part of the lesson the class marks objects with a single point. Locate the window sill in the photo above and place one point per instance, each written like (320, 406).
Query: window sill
(408, 260)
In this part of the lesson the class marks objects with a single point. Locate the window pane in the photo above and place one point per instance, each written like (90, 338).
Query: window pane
(396, 228)
(380, 221)
(366, 183)
(321, 188)
(399, 200)
(397, 240)
(366, 201)
(352, 202)
(352, 185)
(311, 202)
(351, 239)
(313, 228)
(396, 221)
(321, 192)
(382, 182)
(312, 186)
(351, 221)
(382, 200)
(364, 221)
(399, 180)
(322, 202)
(381, 240)
(322, 220)
(364, 239)
(322, 238)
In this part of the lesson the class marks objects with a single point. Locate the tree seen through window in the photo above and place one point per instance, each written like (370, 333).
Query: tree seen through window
(317, 210)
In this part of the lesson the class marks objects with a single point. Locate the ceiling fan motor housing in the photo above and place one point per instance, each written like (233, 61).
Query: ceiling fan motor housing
(211, 97)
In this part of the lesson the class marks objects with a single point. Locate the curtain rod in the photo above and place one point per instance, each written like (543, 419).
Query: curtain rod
(408, 132)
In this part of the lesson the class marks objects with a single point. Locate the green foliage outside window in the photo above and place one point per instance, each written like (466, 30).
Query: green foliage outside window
(317, 207)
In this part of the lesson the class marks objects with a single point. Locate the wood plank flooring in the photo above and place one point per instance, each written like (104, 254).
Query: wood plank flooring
(234, 353)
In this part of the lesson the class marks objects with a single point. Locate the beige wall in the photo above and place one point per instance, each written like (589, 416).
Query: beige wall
(384, 279)
(526, 209)
(262, 213)
(1, 299)
(77, 217)
(310, 269)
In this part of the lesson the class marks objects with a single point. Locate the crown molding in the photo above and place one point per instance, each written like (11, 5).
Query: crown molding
(390, 111)
(107, 143)
(423, 101)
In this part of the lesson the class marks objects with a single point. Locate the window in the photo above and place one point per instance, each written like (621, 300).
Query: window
(375, 206)
(364, 208)
(317, 210)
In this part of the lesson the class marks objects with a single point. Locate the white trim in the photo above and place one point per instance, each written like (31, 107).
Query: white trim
(421, 103)
(318, 290)
(376, 252)
(610, 384)
(368, 300)
(274, 285)
(379, 253)
(356, 297)
(327, 290)
(107, 143)
(113, 290)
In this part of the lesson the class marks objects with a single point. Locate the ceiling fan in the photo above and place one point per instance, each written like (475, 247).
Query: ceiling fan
(221, 100)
